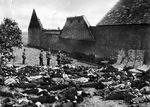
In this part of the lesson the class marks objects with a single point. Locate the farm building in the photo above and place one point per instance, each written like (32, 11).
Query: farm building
(126, 26)
(40, 37)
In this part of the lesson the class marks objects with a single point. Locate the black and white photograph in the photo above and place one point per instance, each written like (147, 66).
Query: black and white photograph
(74, 53)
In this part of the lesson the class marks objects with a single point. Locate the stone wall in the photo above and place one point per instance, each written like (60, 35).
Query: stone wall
(108, 40)
(111, 39)
(34, 37)
(49, 41)
(70, 45)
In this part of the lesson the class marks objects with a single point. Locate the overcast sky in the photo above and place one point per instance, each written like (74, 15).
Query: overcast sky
(53, 13)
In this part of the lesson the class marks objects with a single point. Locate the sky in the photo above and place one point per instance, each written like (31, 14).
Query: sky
(53, 13)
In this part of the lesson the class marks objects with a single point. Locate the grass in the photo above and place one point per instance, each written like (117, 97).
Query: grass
(32, 55)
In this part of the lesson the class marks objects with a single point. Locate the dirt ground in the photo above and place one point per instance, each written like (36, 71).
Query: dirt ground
(32, 55)
(32, 58)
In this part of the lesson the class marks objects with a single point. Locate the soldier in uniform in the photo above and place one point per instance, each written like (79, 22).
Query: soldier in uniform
(23, 56)
(41, 58)
(58, 58)
(1, 62)
(48, 56)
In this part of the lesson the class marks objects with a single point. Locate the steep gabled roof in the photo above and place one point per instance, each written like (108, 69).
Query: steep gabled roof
(128, 12)
(77, 28)
(35, 22)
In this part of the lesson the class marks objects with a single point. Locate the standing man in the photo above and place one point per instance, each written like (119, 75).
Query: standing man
(23, 56)
(1, 62)
(41, 58)
(48, 56)
(58, 58)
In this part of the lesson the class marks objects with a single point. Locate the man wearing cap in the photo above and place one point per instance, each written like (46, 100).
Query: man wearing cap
(23, 56)
(58, 58)
(41, 58)
(48, 56)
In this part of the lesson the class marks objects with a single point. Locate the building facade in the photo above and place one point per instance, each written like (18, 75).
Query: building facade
(126, 26)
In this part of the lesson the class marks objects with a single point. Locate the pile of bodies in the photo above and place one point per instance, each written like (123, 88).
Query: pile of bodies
(34, 86)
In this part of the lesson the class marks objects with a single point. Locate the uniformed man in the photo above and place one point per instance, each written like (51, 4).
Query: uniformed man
(58, 58)
(0, 62)
(48, 56)
(41, 58)
(23, 56)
